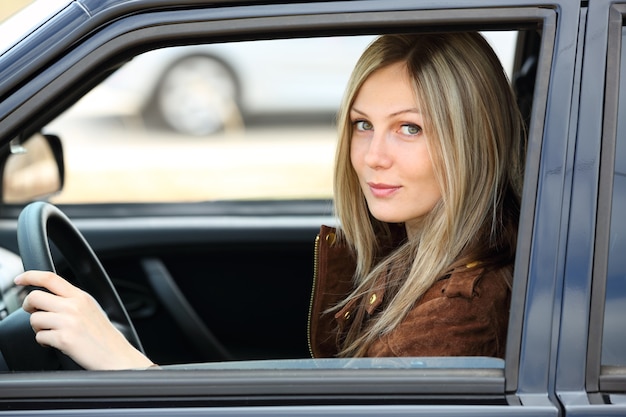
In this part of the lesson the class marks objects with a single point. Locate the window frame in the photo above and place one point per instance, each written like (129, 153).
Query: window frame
(602, 378)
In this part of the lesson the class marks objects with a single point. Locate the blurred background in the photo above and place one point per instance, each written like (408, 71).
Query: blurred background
(10, 7)
(239, 120)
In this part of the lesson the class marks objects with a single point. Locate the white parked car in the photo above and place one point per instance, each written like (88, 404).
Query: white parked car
(202, 89)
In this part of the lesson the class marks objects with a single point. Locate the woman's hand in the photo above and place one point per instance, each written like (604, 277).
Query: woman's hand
(71, 320)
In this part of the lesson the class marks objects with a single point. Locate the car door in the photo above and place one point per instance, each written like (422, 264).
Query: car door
(594, 267)
(239, 271)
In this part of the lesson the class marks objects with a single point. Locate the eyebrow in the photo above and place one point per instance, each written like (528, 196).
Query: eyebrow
(397, 113)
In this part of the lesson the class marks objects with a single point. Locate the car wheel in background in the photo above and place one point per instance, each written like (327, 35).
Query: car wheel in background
(197, 95)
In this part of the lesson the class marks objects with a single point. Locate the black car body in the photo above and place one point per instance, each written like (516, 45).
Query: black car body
(566, 347)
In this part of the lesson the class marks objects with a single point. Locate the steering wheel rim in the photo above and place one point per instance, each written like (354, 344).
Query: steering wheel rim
(41, 222)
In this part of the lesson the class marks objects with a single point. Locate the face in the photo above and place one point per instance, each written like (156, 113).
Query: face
(389, 149)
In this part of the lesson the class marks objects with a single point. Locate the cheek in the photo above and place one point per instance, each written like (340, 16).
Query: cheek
(423, 170)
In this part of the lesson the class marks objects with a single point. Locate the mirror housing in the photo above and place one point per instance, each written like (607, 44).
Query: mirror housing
(32, 168)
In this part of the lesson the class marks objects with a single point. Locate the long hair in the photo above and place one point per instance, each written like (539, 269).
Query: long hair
(476, 140)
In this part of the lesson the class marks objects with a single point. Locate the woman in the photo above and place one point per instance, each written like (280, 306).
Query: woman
(427, 181)
(427, 189)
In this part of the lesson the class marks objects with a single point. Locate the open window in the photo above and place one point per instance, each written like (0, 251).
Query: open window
(241, 120)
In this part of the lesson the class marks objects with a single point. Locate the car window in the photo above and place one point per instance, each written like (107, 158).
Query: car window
(234, 121)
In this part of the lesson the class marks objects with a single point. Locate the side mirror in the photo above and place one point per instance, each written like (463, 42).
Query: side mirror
(31, 169)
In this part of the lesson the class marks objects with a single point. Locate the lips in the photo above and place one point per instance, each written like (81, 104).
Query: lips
(380, 190)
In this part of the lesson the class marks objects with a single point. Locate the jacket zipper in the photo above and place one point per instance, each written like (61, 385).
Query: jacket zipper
(316, 251)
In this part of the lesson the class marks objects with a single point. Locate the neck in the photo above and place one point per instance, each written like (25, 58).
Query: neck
(413, 227)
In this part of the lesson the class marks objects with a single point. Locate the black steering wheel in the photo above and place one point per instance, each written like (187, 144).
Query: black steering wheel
(38, 224)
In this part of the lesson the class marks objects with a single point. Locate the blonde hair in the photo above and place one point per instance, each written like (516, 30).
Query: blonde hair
(476, 139)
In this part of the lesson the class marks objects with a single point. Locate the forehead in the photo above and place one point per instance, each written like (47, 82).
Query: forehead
(387, 90)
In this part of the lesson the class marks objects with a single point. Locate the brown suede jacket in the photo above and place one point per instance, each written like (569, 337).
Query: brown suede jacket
(464, 313)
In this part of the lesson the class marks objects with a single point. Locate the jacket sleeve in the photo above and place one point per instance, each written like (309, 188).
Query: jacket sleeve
(463, 315)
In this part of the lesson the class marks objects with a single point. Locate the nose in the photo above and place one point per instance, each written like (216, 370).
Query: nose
(377, 155)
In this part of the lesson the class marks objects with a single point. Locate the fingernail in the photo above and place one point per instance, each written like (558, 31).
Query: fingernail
(18, 280)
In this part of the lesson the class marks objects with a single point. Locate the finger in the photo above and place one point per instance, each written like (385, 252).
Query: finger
(44, 301)
(54, 330)
(44, 320)
(43, 324)
(50, 338)
(48, 280)
(43, 338)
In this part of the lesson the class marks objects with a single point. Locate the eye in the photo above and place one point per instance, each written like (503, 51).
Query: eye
(363, 125)
(410, 129)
